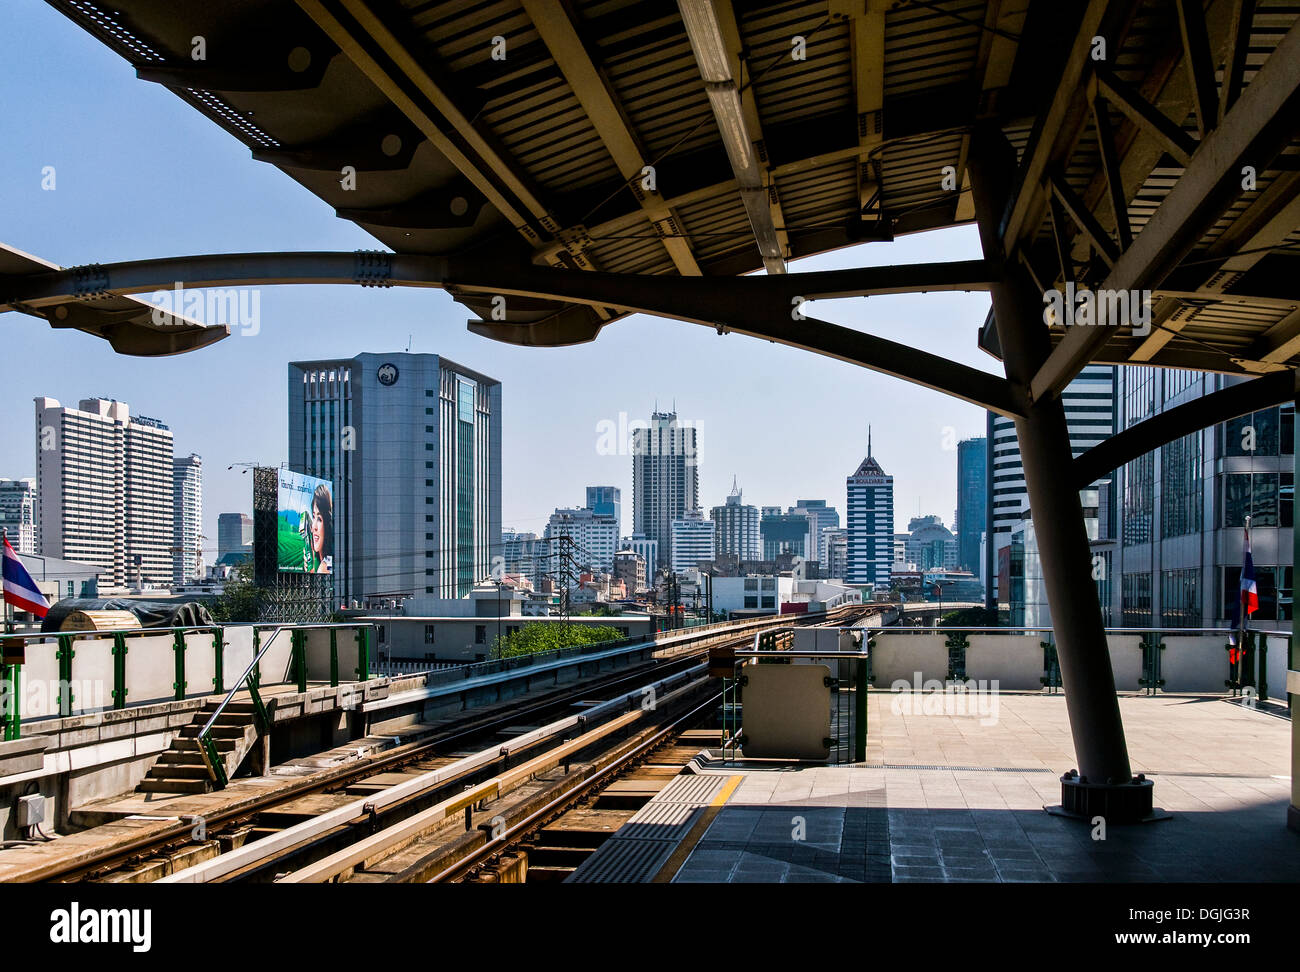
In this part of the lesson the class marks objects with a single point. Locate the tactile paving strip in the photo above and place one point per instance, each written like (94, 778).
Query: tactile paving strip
(660, 821)
(642, 846)
(623, 862)
(697, 790)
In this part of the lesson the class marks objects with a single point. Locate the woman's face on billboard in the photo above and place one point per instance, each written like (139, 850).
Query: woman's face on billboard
(317, 530)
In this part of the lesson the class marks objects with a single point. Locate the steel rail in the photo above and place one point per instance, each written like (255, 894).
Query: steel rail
(513, 834)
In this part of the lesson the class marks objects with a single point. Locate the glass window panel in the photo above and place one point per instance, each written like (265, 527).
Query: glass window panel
(1264, 500)
(1236, 499)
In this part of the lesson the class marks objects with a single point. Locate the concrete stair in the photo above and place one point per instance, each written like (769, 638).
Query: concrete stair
(180, 768)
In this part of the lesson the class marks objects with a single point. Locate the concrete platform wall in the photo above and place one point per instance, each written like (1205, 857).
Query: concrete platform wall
(1193, 664)
(899, 658)
(1015, 662)
(1126, 661)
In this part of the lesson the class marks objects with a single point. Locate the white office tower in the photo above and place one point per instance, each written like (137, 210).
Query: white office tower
(187, 506)
(692, 538)
(665, 478)
(18, 513)
(104, 488)
(870, 525)
(1090, 413)
(591, 544)
(736, 527)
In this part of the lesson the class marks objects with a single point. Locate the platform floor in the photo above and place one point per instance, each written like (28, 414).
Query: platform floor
(945, 798)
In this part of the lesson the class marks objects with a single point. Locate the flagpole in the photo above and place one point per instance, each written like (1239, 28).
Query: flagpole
(1241, 597)
(9, 608)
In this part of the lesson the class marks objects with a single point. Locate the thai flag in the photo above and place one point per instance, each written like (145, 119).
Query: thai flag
(1247, 596)
(19, 588)
(1249, 592)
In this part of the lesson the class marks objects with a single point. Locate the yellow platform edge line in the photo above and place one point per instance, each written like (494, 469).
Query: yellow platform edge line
(683, 850)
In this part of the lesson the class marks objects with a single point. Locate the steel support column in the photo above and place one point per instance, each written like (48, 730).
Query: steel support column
(1103, 782)
(1292, 664)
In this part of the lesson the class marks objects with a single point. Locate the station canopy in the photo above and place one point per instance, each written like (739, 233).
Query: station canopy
(714, 138)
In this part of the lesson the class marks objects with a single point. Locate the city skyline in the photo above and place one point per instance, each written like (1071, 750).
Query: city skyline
(227, 402)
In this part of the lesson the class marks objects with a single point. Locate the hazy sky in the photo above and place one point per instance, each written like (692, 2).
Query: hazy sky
(140, 174)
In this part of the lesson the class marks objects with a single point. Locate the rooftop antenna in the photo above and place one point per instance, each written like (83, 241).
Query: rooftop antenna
(408, 343)
(868, 441)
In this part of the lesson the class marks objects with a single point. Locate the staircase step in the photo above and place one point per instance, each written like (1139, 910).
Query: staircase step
(189, 744)
(173, 771)
(245, 707)
(216, 732)
(240, 719)
(186, 757)
(149, 785)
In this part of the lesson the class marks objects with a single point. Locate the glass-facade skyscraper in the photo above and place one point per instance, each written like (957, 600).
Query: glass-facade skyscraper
(412, 444)
(607, 501)
(1183, 509)
(972, 501)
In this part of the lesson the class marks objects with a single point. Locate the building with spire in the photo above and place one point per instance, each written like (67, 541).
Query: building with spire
(870, 524)
(736, 527)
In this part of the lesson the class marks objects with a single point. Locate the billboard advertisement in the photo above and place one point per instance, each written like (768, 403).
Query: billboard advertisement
(305, 524)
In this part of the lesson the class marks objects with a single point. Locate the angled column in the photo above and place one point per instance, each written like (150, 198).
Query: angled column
(1292, 675)
(1104, 784)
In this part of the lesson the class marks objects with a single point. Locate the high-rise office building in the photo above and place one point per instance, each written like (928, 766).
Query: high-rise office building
(870, 523)
(1183, 509)
(972, 501)
(820, 517)
(787, 533)
(665, 478)
(104, 490)
(1090, 417)
(607, 501)
(735, 527)
(187, 519)
(591, 545)
(18, 513)
(412, 444)
(692, 539)
(234, 534)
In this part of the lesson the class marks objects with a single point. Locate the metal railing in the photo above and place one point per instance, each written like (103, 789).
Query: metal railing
(252, 675)
(766, 651)
(17, 649)
(1246, 673)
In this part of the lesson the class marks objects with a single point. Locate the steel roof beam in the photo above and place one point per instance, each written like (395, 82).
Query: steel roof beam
(414, 92)
(1199, 62)
(1238, 47)
(766, 307)
(1257, 128)
(717, 58)
(1028, 202)
(554, 24)
(1211, 409)
(868, 39)
(630, 291)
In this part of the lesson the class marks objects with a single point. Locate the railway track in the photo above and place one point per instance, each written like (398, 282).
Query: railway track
(508, 743)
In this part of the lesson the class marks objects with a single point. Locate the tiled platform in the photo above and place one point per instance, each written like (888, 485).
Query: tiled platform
(945, 798)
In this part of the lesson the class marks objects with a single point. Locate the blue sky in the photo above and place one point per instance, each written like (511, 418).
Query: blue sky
(140, 174)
